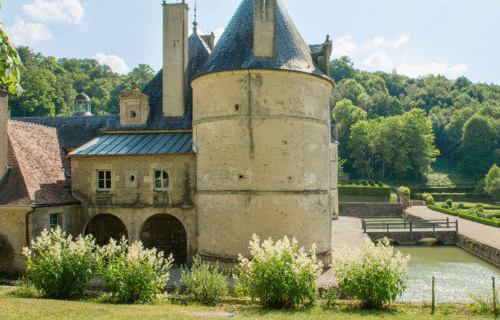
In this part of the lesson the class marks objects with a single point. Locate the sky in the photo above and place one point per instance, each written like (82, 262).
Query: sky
(415, 37)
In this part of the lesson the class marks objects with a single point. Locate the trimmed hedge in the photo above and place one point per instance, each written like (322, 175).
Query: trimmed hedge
(466, 216)
(443, 189)
(456, 197)
(364, 188)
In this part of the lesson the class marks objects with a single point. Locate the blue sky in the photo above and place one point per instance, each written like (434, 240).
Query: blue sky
(415, 37)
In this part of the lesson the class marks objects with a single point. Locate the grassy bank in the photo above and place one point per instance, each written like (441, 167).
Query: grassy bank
(12, 307)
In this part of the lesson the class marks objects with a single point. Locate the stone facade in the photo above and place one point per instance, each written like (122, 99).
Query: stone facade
(371, 209)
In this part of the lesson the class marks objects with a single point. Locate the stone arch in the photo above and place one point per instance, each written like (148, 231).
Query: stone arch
(430, 241)
(104, 227)
(7, 254)
(166, 233)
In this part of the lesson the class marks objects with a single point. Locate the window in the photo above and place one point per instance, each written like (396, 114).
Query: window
(161, 180)
(104, 180)
(54, 220)
(132, 114)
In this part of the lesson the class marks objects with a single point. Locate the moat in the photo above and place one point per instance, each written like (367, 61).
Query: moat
(457, 274)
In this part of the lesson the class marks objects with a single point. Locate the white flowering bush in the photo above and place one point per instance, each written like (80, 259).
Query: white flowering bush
(132, 273)
(280, 275)
(59, 266)
(203, 283)
(372, 274)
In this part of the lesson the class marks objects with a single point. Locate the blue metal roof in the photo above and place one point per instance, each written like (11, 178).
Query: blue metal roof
(138, 143)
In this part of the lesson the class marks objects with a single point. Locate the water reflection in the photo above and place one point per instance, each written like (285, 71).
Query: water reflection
(457, 273)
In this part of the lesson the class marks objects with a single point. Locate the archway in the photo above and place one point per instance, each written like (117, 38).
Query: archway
(104, 227)
(166, 233)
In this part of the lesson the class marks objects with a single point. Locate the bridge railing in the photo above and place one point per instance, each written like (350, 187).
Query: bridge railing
(410, 225)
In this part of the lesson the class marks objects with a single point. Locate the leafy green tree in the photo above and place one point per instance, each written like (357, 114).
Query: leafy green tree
(492, 182)
(477, 145)
(9, 64)
(347, 89)
(341, 69)
(363, 146)
(346, 114)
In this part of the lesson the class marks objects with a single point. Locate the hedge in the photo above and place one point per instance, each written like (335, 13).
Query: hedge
(356, 190)
(443, 189)
(466, 216)
(456, 197)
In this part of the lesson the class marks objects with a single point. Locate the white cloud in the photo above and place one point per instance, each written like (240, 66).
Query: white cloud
(404, 39)
(343, 46)
(116, 63)
(26, 34)
(218, 33)
(378, 42)
(415, 71)
(63, 10)
(380, 60)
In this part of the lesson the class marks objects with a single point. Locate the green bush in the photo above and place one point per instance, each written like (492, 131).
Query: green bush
(132, 273)
(443, 210)
(203, 283)
(461, 206)
(279, 274)
(445, 206)
(442, 190)
(364, 188)
(406, 191)
(59, 266)
(463, 215)
(449, 202)
(372, 274)
(429, 200)
(329, 297)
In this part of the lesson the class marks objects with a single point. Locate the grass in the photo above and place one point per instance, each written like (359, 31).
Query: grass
(18, 308)
(446, 175)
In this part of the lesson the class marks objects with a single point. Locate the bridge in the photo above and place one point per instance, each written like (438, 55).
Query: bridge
(403, 231)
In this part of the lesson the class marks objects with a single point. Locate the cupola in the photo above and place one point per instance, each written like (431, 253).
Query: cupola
(83, 105)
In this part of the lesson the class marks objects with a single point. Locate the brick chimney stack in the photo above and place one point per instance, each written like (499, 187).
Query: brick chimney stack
(264, 39)
(4, 116)
(175, 58)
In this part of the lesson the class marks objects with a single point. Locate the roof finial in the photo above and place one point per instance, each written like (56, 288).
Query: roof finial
(195, 24)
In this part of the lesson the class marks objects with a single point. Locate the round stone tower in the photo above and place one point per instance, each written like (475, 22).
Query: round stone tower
(261, 127)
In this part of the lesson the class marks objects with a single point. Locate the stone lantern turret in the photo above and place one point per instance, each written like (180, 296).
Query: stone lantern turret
(83, 105)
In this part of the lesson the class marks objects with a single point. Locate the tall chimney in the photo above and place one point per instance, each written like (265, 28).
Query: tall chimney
(4, 116)
(264, 39)
(175, 58)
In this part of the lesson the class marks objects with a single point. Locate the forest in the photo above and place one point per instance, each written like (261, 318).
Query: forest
(391, 127)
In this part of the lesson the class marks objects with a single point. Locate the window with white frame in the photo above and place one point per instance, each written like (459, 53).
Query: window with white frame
(103, 180)
(161, 180)
(54, 220)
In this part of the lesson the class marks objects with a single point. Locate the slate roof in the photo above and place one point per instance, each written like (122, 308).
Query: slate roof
(138, 144)
(37, 178)
(198, 54)
(234, 50)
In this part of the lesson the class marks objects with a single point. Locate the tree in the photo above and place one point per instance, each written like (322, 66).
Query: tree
(341, 69)
(476, 147)
(347, 89)
(346, 115)
(492, 182)
(9, 63)
(363, 147)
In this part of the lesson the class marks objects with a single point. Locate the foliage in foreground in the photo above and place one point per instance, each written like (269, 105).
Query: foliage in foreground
(484, 303)
(60, 266)
(280, 274)
(204, 283)
(9, 64)
(372, 274)
(132, 273)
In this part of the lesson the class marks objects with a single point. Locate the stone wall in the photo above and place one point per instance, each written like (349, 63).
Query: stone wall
(483, 251)
(371, 209)
(12, 238)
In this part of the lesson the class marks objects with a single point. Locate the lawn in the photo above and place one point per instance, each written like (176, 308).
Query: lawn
(12, 307)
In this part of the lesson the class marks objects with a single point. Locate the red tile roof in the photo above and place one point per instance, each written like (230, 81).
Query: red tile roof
(36, 149)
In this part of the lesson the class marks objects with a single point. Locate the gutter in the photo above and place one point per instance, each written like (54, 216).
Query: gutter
(28, 226)
(55, 204)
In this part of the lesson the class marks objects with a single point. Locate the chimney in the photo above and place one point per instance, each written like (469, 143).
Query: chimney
(175, 58)
(264, 39)
(4, 118)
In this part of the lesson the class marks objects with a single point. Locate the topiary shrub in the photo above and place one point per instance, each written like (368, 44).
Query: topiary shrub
(279, 274)
(59, 266)
(406, 191)
(429, 200)
(449, 202)
(205, 284)
(445, 206)
(132, 273)
(372, 274)
(461, 206)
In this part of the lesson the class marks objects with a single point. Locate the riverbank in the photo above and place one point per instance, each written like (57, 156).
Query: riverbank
(17, 308)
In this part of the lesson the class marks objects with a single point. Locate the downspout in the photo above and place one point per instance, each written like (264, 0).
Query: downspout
(28, 226)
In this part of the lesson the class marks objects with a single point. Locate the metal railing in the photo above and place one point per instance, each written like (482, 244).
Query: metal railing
(409, 225)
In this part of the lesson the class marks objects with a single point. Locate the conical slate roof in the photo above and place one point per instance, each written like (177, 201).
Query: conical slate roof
(198, 54)
(234, 50)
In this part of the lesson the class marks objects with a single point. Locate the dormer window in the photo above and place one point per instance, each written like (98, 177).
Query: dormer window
(161, 180)
(103, 180)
